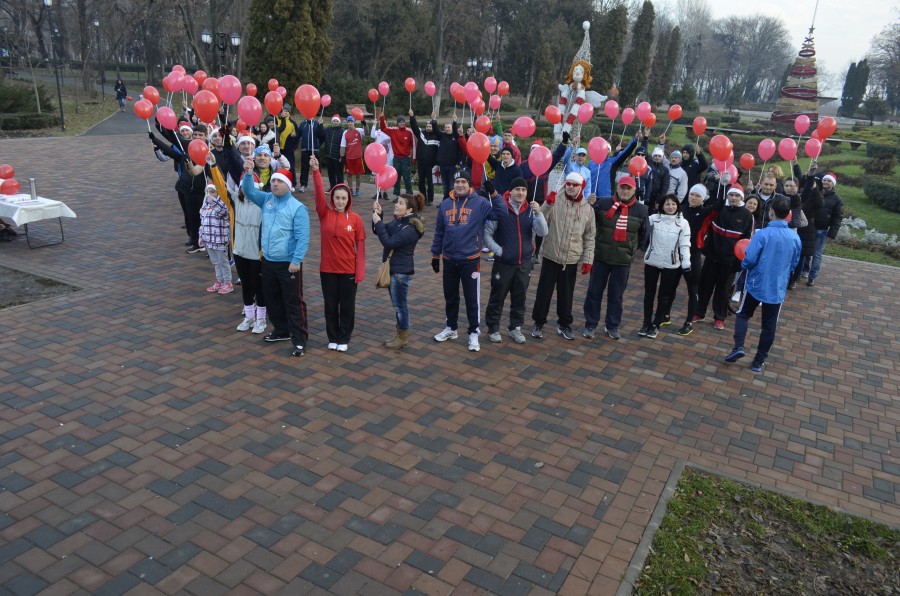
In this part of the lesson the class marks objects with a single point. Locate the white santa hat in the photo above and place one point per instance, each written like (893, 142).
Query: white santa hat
(575, 177)
(830, 178)
(210, 187)
(284, 176)
(246, 138)
(700, 190)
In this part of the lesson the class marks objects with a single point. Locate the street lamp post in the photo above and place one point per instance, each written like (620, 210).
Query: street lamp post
(476, 66)
(217, 41)
(62, 117)
(100, 69)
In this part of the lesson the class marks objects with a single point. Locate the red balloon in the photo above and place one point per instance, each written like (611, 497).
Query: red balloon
(826, 127)
(812, 147)
(373, 95)
(10, 186)
(430, 89)
(747, 161)
(179, 68)
(479, 147)
(478, 106)
(471, 91)
(674, 112)
(200, 76)
(787, 149)
(598, 149)
(273, 84)
(740, 249)
(801, 124)
(167, 84)
(483, 124)
(458, 92)
(281, 91)
(386, 178)
(410, 84)
(357, 114)
(720, 146)
(250, 110)
(198, 149)
(211, 84)
(699, 125)
(274, 102)
(552, 114)
(176, 80)
(815, 135)
(326, 101)
(166, 117)
(240, 125)
(384, 88)
(766, 149)
(539, 160)
(649, 120)
(495, 102)
(637, 166)
(502, 88)
(611, 109)
(251, 89)
(585, 113)
(490, 84)
(376, 157)
(523, 127)
(229, 89)
(627, 116)
(151, 94)
(6, 171)
(206, 106)
(143, 109)
(129, 98)
(643, 109)
(307, 100)
(190, 84)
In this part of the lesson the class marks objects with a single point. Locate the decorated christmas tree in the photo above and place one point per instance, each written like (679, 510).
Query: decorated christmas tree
(800, 94)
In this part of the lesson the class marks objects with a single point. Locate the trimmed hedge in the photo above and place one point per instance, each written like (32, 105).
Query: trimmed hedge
(884, 192)
(876, 150)
(28, 121)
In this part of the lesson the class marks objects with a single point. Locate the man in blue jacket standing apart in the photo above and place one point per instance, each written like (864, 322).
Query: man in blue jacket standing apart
(284, 240)
(770, 258)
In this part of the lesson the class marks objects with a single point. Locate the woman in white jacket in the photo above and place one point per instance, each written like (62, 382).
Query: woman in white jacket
(669, 252)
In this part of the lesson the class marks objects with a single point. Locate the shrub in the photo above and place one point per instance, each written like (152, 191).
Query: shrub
(27, 121)
(879, 166)
(875, 150)
(884, 192)
(18, 97)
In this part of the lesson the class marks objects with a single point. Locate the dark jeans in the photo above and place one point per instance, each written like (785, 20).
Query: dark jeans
(715, 282)
(182, 200)
(249, 271)
(426, 183)
(194, 204)
(335, 167)
(659, 284)
(769, 324)
(403, 166)
(692, 280)
(447, 173)
(399, 291)
(508, 279)
(339, 295)
(468, 273)
(562, 279)
(612, 278)
(284, 297)
(304, 167)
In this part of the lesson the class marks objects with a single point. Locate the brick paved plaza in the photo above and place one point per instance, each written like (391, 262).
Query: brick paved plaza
(147, 447)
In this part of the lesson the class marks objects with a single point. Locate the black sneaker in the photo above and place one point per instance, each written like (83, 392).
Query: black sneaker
(792, 285)
(686, 329)
(297, 351)
(757, 366)
(667, 320)
(272, 337)
(809, 283)
(643, 330)
(653, 331)
(736, 354)
(193, 249)
(566, 332)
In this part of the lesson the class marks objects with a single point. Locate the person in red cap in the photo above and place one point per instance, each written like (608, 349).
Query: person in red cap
(724, 227)
(622, 228)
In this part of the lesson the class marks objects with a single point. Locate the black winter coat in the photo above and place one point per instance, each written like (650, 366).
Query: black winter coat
(811, 203)
(401, 236)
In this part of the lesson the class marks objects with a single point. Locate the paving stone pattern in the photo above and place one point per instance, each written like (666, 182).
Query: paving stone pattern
(148, 447)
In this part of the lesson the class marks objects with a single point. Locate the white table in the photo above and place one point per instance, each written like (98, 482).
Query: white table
(22, 210)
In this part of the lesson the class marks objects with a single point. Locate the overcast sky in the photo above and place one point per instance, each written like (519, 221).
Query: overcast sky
(844, 28)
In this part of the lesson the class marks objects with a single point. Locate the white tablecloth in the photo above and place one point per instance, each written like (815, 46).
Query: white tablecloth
(22, 210)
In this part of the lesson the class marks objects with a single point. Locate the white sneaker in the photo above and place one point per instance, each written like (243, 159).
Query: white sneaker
(473, 343)
(342, 347)
(259, 326)
(736, 297)
(332, 346)
(446, 334)
(246, 324)
(495, 337)
(517, 335)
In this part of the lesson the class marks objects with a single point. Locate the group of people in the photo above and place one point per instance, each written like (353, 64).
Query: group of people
(686, 217)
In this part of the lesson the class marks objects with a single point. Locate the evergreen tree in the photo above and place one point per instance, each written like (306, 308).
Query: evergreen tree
(607, 43)
(668, 47)
(547, 80)
(637, 63)
(288, 40)
(686, 97)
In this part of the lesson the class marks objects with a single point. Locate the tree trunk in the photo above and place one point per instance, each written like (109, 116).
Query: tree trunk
(440, 26)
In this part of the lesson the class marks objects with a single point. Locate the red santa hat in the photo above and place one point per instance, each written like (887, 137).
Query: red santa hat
(830, 176)
(736, 188)
(537, 143)
(284, 176)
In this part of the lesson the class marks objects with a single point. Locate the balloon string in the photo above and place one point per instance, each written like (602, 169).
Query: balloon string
(611, 129)
(763, 169)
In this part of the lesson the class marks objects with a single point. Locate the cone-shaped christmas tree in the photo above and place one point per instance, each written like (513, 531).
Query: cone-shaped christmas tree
(800, 94)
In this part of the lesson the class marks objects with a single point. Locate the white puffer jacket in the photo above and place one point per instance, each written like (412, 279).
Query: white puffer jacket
(247, 221)
(670, 242)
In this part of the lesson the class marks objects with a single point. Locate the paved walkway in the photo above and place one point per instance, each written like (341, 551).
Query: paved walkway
(148, 447)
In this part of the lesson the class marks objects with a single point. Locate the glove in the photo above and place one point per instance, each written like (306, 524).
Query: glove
(436, 264)
(550, 198)
(150, 134)
(586, 268)
(489, 187)
(565, 138)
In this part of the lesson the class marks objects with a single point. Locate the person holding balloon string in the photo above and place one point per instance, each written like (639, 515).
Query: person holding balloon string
(402, 142)
(312, 135)
(427, 144)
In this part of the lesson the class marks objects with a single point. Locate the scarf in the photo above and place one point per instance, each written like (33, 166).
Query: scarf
(620, 234)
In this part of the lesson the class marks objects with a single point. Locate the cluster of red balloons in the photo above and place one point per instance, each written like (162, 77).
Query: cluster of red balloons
(787, 147)
(10, 185)
(722, 150)
(376, 158)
